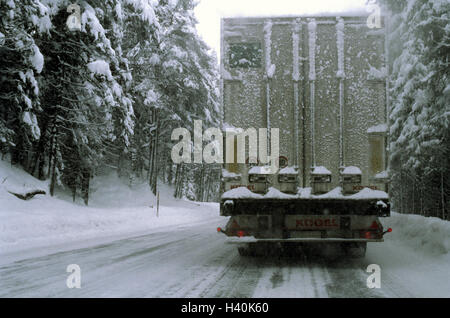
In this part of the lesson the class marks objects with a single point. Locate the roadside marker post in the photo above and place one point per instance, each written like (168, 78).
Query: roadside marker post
(157, 204)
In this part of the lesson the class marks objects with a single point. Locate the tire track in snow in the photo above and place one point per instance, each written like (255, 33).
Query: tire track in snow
(280, 279)
(348, 278)
(320, 278)
(202, 278)
(237, 280)
(291, 277)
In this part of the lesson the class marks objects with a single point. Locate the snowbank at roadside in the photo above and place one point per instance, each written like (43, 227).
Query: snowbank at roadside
(425, 234)
(115, 209)
(16, 180)
(415, 258)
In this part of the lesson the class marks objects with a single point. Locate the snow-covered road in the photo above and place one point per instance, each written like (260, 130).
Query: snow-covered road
(124, 249)
(193, 261)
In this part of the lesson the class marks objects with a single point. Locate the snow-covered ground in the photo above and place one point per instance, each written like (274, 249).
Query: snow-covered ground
(115, 210)
(415, 259)
(124, 250)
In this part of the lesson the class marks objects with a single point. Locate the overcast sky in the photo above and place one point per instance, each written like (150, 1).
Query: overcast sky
(209, 12)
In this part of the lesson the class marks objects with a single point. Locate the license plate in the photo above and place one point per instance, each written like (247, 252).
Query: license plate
(306, 222)
(305, 234)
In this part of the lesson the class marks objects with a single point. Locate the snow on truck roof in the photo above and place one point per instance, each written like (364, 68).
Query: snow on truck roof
(260, 170)
(227, 128)
(382, 128)
(227, 174)
(382, 175)
(274, 193)
(352, 171)
(304, 193)
(241, 193)
(357, 13)
(288, 171)
(320, 171)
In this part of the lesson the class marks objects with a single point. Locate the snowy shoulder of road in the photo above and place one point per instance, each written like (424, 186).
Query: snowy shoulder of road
(428, 235)
(115, 210)
(416, 256)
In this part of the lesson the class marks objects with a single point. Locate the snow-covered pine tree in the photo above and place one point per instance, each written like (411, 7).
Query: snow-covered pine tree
(420, 114)
(138, 25)
(189, 81)
(108, 94)
(81, 95)
(21, 62)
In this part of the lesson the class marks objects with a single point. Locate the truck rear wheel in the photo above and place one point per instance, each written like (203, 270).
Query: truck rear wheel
(244, 251)
(356, 250)
(254, 249)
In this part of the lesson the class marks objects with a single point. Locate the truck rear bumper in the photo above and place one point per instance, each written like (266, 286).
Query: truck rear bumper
(247, 240)
(299, 206)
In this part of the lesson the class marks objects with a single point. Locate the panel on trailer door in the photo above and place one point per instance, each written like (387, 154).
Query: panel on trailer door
(376, 154)
(231, 167)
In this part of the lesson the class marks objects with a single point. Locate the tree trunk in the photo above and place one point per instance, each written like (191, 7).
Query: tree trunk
(442, 193)
(39, 155)
(119, 164)
(179, 181)
(401, 193)
(153, 175)
(54, 162)
(413, 196)
(53, 177)
(74, 192)
(85, 182)
(421, 197)
(170, 174)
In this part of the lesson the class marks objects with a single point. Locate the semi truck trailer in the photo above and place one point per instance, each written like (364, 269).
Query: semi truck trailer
(321, 83)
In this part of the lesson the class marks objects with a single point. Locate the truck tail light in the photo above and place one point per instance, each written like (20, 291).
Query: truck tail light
(371, 235)
(241, 233)
(375, 226)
